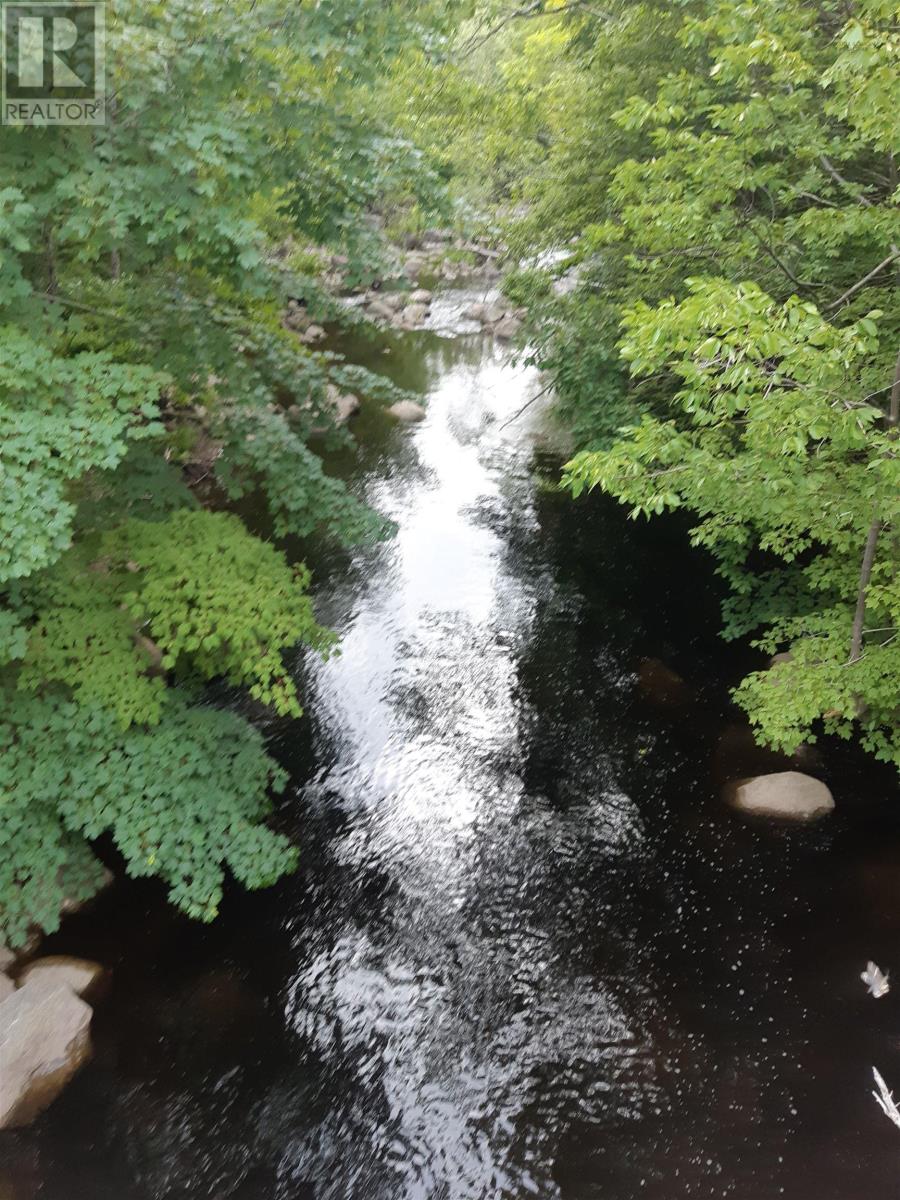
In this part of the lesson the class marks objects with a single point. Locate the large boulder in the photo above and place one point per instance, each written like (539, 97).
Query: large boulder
(44, 1039)
(475, 312)
(408, 411)
(788, 795)
(84, 977)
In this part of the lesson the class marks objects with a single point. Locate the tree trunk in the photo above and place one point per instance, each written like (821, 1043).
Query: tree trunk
(865, 574)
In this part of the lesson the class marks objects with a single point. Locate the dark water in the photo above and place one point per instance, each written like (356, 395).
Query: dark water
(528, 952)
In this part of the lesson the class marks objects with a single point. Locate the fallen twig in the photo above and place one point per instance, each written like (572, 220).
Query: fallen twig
(885, 1100)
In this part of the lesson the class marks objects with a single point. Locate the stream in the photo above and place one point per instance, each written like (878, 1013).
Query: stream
(528, 951)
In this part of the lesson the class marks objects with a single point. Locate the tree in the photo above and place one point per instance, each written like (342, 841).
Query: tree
(144, 270)
(725, 190)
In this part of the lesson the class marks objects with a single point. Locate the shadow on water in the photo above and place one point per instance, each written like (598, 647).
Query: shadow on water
(527, 952)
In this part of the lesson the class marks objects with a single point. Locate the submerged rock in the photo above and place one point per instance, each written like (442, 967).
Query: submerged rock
(408, 411)
(44, 1039)
(84, 977)
(789, 795)
(661, 685)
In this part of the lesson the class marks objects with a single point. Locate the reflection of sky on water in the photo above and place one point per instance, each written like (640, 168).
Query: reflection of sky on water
(451, 1020)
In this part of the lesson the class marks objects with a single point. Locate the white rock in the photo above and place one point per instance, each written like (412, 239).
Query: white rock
(58, 970)
(507, 328)
(407, 410)
(44, 1039)
(790, 795)
(421, 296)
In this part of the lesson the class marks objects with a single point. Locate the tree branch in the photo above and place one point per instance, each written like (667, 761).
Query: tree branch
(537, 9)
(801, 283)
(865, 575)
(895, 253)
(838, 178)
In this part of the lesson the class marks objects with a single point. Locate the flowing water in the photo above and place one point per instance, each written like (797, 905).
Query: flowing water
(528, 952)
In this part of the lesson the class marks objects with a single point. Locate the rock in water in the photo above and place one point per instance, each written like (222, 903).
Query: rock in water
(413, 315)
(661, 685)
(381, 310)
(407, 410)
(85, 978)
(44, 1039)
(345, 405)
(508, 328)
(421, 296)
(789, 795)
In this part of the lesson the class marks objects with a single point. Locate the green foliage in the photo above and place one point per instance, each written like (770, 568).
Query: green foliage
(722, 180)
(60, 416)
(182, 801)
(773, 457)
(210, 598)
(146, 369)
(262, 448)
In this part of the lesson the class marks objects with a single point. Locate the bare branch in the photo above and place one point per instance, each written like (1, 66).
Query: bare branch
(528, 13)
(838, 178)
(801, 283)
(885, 1100)
(895, 253)
(95, 312)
